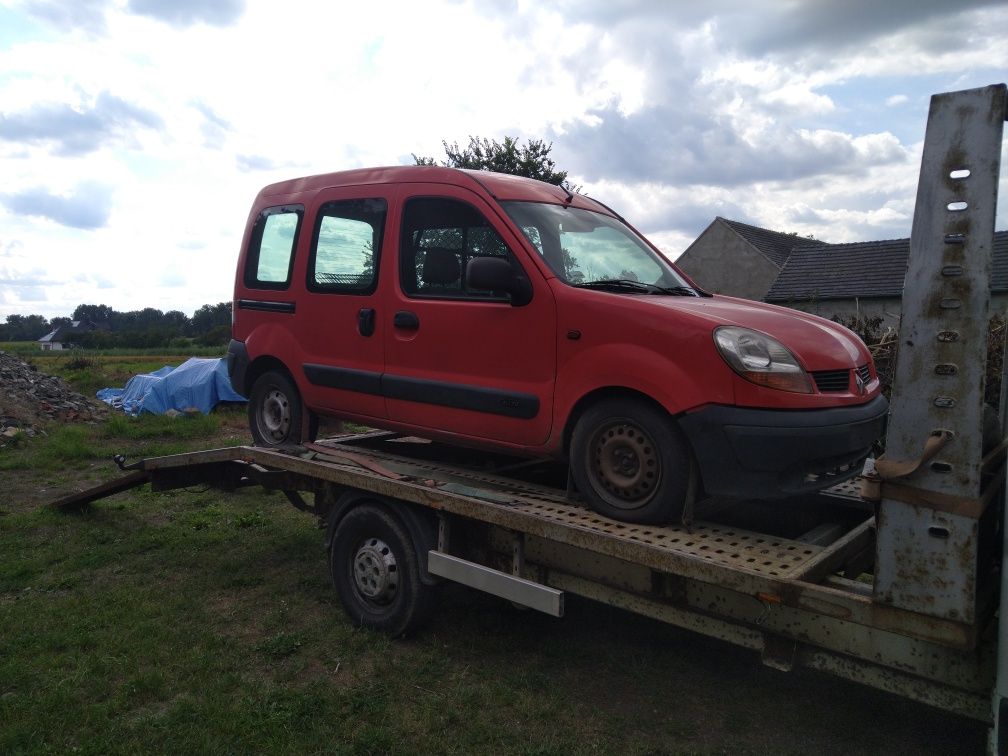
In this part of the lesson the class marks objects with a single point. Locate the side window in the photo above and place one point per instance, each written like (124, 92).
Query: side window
(346, 246)
(439, 238)
(271, 248)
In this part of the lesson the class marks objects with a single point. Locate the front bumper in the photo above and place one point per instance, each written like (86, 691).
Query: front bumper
(758, 453)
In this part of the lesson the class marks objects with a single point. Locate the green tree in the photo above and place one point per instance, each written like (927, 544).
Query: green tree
(208, 317)
(24, 328)
(531, 159)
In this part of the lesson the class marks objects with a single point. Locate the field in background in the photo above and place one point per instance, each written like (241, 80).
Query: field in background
(197, 621)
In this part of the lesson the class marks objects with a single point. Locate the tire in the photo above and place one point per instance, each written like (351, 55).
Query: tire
(375, 569)
(631, 462)
(275, 412)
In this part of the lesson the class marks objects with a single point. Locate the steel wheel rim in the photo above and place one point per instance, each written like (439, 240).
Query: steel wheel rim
(275, 415)
(375, 572)
(623, 464)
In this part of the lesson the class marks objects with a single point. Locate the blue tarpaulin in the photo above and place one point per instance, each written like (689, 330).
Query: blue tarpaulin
(197, 382)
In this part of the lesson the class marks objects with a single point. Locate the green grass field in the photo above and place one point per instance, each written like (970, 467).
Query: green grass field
(194, 621)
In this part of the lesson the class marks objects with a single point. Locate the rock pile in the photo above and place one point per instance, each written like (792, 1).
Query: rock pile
(30, 400)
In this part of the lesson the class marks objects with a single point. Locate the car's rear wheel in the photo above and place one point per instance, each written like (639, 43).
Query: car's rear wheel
(275, 412)
(631, 462)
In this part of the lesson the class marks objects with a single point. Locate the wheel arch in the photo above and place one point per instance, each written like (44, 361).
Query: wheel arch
(262, 365)
(421, 525)
(602, 394)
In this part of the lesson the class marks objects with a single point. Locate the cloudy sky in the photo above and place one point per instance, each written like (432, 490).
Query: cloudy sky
(134, 134)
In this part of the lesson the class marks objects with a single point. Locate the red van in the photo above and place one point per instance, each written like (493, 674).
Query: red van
(500, 312)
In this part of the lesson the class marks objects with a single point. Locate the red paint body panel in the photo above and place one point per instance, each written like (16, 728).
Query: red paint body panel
(515, 360)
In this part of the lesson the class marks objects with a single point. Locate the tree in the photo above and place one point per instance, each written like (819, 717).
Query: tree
(208, 317)
(531, 159)
(96, 313)
(24, 328)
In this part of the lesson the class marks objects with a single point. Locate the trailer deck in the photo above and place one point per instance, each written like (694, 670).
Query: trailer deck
(799, 598)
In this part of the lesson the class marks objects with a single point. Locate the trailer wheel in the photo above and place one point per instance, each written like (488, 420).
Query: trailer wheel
(631, 462)
(275, 412)
(375, 569)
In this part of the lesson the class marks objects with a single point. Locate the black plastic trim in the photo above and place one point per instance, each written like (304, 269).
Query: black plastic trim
(266, 306)
(460, 396)
(361, 381)
(237, 365)
(760, 453)
(455, 395)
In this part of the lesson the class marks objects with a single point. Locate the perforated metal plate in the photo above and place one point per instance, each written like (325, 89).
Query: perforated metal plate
(754, 552)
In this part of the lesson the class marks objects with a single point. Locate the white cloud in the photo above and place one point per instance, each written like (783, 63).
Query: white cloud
(135, 133)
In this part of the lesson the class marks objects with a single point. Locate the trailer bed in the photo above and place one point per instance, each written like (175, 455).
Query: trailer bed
(798, 598)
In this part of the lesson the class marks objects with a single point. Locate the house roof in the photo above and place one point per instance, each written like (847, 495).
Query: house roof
(775, 245)
(62, 332)
(863, 269)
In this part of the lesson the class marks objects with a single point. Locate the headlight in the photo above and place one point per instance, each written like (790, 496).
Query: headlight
(761, 359)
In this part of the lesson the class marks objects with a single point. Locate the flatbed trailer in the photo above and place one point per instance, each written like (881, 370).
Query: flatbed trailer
(898, 591)
(792, 596)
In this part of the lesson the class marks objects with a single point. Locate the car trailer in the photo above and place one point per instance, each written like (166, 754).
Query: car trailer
(893, 581)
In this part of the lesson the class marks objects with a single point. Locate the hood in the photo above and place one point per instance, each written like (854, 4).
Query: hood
(819, 344)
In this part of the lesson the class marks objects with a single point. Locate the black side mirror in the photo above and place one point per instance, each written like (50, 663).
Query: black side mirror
(497, 275)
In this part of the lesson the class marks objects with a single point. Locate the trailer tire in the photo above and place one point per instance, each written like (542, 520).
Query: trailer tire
(631, 462)
(375, 569)
(276, 412)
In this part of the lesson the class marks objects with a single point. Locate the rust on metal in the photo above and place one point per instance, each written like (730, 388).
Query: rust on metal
(80, 499)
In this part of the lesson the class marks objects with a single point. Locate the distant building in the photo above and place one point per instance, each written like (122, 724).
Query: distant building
(735, 258)
(863, 278)
(63, 337)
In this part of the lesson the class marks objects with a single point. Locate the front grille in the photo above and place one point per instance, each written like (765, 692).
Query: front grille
(865, 373)
(832, 381)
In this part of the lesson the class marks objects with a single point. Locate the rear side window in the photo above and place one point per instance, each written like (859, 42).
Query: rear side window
(271, 248)
(346, 246)
(439, 238)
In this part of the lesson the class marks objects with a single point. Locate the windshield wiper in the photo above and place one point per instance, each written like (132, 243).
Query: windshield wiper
(683, 291)
(627, 284)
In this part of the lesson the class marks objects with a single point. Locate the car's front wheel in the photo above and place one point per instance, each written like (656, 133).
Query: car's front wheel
(631, 462)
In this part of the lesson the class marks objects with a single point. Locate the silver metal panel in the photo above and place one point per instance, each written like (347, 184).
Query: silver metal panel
(943, 332)
(927, 561)
(1000, 694)
(926, 558)
(516, 589)
(935, 675)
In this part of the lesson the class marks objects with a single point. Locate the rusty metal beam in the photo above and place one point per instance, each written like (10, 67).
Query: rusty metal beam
(80, 499)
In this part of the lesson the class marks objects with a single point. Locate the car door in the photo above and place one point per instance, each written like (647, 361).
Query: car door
(339, 319)
(459, 360)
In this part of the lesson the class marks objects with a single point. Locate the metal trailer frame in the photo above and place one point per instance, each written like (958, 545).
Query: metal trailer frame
(530, 544)
(898, 590)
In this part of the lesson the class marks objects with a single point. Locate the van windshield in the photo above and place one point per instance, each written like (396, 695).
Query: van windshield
(592, 250)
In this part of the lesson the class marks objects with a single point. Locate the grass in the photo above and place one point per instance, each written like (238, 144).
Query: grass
(194, 621)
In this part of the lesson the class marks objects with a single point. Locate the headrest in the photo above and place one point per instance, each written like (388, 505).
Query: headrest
(441, 266)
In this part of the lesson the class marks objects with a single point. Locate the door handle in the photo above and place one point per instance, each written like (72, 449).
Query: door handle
(406, 320)
(365, 321)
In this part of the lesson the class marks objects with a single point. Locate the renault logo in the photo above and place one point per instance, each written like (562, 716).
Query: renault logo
(859, 382)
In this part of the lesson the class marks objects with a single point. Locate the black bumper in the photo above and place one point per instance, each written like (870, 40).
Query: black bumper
(237, 365)
(758, 453)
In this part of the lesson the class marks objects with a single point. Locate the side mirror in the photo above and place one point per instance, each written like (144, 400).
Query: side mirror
(496, 274)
